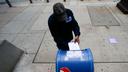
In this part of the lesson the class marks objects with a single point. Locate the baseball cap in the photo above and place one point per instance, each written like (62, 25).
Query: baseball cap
(59, 11)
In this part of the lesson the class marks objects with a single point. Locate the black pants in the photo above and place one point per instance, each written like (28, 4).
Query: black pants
(63, 46)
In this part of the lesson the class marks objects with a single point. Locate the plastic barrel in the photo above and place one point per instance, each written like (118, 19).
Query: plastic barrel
(75, 61)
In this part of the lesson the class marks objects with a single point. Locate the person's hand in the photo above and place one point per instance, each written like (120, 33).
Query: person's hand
(76, 39)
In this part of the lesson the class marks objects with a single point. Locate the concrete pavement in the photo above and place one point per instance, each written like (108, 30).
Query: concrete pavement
(27, 29)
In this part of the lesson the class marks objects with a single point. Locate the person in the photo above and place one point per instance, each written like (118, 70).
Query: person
(61, 24)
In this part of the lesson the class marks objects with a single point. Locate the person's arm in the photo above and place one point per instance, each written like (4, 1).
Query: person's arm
(51, 27)
(76, 31)
(76, 28)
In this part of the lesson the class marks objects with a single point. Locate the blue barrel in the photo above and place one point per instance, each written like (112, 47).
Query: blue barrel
(75, 61)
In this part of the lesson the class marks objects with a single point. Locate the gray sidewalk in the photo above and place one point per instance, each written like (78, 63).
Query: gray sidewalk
(103, 27)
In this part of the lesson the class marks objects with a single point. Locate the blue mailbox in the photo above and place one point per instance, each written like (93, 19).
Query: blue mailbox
(75, 61)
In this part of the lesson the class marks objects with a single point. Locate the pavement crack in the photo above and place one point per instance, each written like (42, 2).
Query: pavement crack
(39, 47)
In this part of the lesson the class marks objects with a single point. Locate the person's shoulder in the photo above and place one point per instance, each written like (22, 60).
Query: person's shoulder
(69, 11)
(51, 19)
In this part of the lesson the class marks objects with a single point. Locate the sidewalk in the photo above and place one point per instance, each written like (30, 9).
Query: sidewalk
(103, 27)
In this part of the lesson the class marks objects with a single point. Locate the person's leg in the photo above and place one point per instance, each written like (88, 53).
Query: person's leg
(63, 46)
(47, 1)
(30, 1)
(8, 2)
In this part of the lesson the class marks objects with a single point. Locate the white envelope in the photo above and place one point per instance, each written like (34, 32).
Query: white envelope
(73, 46)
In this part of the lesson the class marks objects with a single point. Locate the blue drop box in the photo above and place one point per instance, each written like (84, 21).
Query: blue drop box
(75, 60)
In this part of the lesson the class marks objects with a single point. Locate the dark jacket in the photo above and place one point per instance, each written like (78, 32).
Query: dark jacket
(62, 31)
